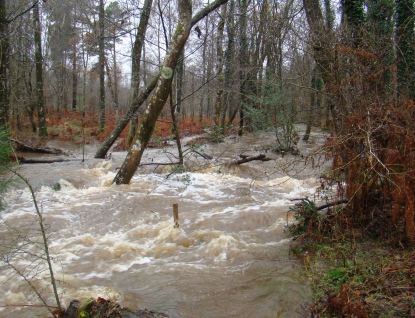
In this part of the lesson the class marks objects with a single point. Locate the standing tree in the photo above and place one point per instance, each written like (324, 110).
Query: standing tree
(405, 47)
(229, 66)
(135, 68)
(4, 64)
(101, 64)
(39, 71)
(219, 66)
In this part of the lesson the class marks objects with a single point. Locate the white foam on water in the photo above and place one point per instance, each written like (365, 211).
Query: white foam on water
(127, 238)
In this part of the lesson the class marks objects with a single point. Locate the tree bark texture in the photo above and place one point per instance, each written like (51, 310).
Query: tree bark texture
(101, 58)
(244, 58)
(39, 73)
(136, 60)
(219, 66)
(405, 50)
(74, 65)
(4, 64)
(229, 67)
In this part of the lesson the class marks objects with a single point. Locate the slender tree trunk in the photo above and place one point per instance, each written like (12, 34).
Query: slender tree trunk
(64, 83)
(229, 66)
(244, 60)
(219, 66)
(159, 96)
(136, 60)
(176, 110)
(192, 100)
(204, 63)
(74, 67)
(111, 84)
(179, 86)
(101, 26)
(4, 65)
(310, 115)
(43, 131)
(116, 102)
(405, 47)
(175, 126)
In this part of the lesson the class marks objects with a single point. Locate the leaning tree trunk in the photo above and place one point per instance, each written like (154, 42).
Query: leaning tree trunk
(160, 95)
(147, 91)
(43, 131)
(112, 137)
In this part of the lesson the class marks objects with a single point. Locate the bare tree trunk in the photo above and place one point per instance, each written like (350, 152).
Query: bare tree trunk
(203, 71)
(136, 60)
(179, 86)
(111, 84)
(229, 67)
(101, 67)
(322, 54)
(244, 58)
(192, 100)
(74, 67)
(116, 102)
(43, 131)
(4, 65)
(177, 109)
(74, 81)
(175, 126)
(219, 65)
(160, 95)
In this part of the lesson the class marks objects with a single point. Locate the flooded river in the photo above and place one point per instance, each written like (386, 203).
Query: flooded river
(229, 258)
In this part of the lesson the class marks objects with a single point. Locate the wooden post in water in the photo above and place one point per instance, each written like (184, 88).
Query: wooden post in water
(176, 215)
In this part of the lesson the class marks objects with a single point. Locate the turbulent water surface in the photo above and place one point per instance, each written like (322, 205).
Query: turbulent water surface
(229, 258)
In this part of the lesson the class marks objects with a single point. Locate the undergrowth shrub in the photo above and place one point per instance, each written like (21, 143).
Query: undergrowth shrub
(306, 215)
(373, 152)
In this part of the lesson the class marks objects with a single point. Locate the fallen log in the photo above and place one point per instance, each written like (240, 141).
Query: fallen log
(21, 160)
(246, 159)
(33, 161)
(321, 207)
(23, 147)
(330, 204)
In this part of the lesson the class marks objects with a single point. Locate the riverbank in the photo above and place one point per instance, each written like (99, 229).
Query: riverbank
(356, 275)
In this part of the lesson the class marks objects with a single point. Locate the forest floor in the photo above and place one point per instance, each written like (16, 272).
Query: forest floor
(78, 129)
(357, 275)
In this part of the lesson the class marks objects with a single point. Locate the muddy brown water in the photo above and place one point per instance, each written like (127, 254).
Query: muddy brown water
(228, 259)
